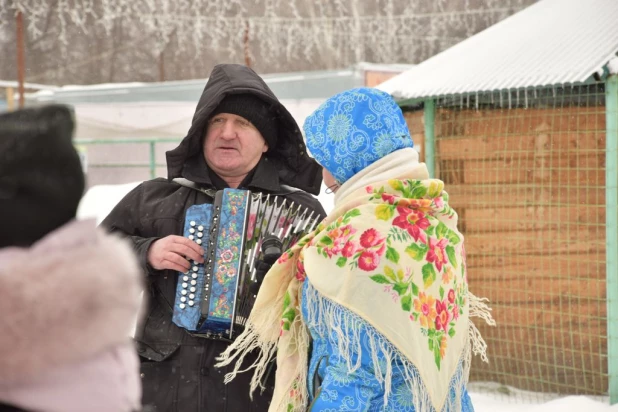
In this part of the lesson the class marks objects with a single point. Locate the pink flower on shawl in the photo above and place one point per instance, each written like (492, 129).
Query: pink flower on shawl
(437, 253)
(389, 198)
(456, 312)
(370, 238)
(443, 317)
(413, 221)
(283, 258)
(339, 238)
(451, 296)
(368, 260)
(439, 202)
(348, 250)
(301, 275)
(369, 189)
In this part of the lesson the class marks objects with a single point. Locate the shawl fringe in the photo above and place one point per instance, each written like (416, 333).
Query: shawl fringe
(328, 317)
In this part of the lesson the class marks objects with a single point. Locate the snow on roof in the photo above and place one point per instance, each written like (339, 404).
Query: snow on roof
(384, 67)
(37, 86)
(552, 42)
(294, 85)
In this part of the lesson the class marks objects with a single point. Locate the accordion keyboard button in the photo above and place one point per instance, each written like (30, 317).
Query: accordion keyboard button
(191, 237)
(192, 230)
(200, 228)
(183, 299)
(185, 278)
(200, 234)
(195, 268)
(182, 306)
(194, 282)
(199, 241)
(194, 276)
(185, 285)
(192, 223)
(191, 296)
(183, 292)
(191, 303)
(192, 290)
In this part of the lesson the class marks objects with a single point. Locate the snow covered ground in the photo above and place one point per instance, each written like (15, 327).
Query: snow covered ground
(486, 397)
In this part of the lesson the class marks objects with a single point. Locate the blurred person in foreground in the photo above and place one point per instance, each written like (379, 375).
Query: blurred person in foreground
(241, 137)
(69, 293)
(372, 310)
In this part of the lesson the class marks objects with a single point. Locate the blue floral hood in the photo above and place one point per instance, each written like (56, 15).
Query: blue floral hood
(353, 129)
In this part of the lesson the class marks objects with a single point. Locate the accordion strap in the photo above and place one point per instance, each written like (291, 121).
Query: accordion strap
(284, 189)
(192, 185)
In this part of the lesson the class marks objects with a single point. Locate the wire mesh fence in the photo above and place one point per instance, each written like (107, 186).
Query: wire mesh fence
(525, 171)
(124, 160)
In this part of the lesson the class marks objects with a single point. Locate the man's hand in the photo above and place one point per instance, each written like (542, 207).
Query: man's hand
(174, 252)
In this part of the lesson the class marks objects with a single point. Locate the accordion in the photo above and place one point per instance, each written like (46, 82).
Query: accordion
(214, 299)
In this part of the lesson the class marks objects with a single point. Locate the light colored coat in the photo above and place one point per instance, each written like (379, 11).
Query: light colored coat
(67, 306)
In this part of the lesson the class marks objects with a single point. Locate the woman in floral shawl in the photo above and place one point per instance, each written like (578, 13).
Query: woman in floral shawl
(371, 311)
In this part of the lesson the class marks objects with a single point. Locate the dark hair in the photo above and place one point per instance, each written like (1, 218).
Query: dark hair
(41, 177)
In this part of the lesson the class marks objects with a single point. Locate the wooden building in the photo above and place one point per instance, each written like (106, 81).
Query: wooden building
(521, 123)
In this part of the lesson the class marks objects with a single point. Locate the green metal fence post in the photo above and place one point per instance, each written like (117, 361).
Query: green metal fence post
(611, 199)
(153, 164)
(430, 138)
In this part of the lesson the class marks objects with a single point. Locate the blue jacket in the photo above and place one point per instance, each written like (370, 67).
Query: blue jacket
(360, 390)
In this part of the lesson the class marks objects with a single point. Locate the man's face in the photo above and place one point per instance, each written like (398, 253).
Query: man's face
(232, 146)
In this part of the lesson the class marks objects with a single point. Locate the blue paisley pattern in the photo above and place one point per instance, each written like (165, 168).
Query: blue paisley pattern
(344, 146)
(359, 391)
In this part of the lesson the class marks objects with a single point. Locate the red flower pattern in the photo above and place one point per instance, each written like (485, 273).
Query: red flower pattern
(390, 199)
(451, 296)
(413, 215)
(349, 249)
(413, 221)
(443, 317)
(370, 238)
(368, 260)
(437, 253)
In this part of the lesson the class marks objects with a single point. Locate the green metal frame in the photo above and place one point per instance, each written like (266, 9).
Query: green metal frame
(430, 136)
(152, 145)
(611, 199)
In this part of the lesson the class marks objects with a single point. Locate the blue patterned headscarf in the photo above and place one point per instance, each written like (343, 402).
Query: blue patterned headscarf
(353, 129)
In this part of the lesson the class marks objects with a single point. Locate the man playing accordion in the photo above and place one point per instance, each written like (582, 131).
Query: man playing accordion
(241, 137)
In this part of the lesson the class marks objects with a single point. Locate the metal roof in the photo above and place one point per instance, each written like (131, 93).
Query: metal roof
(295, 86)
(552, 42)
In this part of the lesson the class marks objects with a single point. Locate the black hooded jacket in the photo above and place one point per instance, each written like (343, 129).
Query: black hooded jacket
(178, 371)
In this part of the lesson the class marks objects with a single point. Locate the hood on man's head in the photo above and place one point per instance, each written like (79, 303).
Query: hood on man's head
(353, 129)
(41, 177)
(289, 155)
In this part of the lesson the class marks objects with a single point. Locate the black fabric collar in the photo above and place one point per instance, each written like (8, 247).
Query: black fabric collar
(263, 177)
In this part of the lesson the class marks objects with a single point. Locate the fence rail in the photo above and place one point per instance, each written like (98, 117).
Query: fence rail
(152, 150)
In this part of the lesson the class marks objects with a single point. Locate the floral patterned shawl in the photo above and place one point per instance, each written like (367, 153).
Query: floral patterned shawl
(390, 253)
